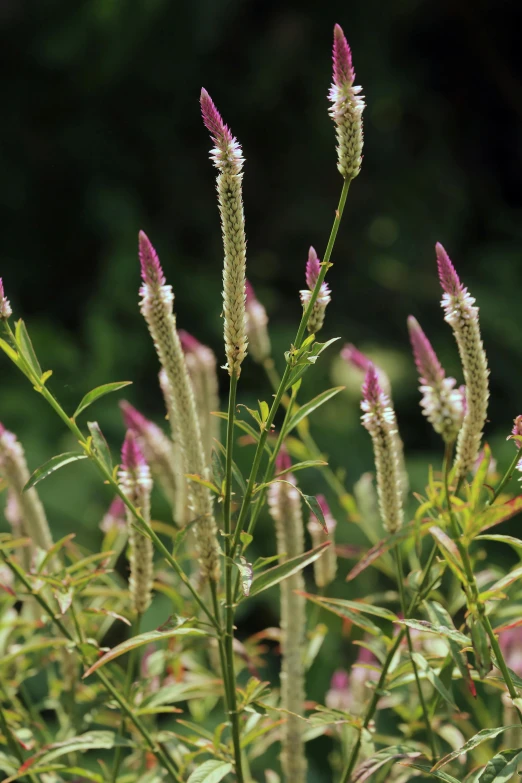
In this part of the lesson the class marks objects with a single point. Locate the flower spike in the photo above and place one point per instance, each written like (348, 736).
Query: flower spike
(462, 315)
(5, 306)
(313, 270)
(226, 155)
(256, 326)
(347, 108)
(151, 270)
(442, 404)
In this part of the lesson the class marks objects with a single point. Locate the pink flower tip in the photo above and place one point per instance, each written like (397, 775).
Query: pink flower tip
(313, 269)
(2, 428)
(371, 389)
(132, 418)
(426, 361)
(131, 455)
(5, 307)
(517, 427)
(283, 461)
(188, 342)
(448, 277)
(343, 73)
(213, 120)
(250, 293)
(356, 358)
(323, 505)
(340, 680)
(151, 271)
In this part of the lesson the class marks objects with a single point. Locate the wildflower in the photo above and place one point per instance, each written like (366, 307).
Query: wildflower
(348, 691)
(325, 567)
(5, 307)
(13, 468)
(228, 159)
(462, 316)
(313, 270)
(256, 326)
(115, 518)
(201, 365)
(135, 481)
(379, 419)
(156, 447)
(284, 504)
(157, 309)
(441, 402)
(347, 108)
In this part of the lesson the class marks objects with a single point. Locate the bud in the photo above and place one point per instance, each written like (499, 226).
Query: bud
(325, 567)
(256, 325)
(313, 270)
(5, 307)
(228, 159)
(379, 420)
(136, 483)
(441, 403)
(462, 316)
(347, 108)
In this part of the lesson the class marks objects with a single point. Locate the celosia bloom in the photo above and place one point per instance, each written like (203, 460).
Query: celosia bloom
(14, 470)
(5, 307)
(135, 481)
(115, 517)
(202, 367)
(347, 108)
(379, 419)
(313, 270)
(157, 309)
(284, 504)
(156, 447)
(228, 159)
(348, 692)
(516, 435)
(256, 325)
(462, 316)
(441, 403)
(325, 567)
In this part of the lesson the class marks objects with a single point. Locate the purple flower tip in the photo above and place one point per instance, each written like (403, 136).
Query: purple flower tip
(323, 505)
(425, 357)
(2, 428)
(151, 270)
(188, 342)
(249, 292)
(132, 418)
(343, 73)
(448, 277)
(131, 455)
(313, 269)
(517, 426)
(371, 390)
(340, 680)
(213, 120)
(2, 294)
(353, 356)
(283, 461)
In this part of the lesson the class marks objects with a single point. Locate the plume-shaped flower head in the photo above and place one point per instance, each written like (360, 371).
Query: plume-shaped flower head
(347, 108)
(5, 307)
(313, 270)
(227, 154)
(462, 315)
(442, 404)
(151, 271)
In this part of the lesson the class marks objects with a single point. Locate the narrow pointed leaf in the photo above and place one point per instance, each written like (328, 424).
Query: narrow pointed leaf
(247, 574)
(475, 741)
(502, 767)
(424, 667)
(365, 770)
(55, 463)
(437, 774)
(100, 444)
(26, 349)
(440, 630)
(308, 408)
(279, 572)
(100, 391)
(212, 771)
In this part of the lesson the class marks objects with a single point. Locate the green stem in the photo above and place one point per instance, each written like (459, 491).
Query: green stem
(508, 475)
(400, 582)
(131, 666)
(160, 753)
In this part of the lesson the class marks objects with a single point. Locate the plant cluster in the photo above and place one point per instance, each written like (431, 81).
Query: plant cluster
(439, 672)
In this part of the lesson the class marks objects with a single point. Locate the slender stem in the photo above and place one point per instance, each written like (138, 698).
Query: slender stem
(508, 475)
(227, 660)
(400, 582)
(131, 666)
(160, 753)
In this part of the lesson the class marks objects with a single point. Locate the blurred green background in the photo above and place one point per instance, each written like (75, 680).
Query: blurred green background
(101, 136)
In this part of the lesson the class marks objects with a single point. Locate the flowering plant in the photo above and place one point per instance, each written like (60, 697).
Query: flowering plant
(435, 690)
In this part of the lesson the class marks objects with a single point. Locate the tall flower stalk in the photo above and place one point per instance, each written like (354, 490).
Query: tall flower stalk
(157, 309)
(462, 315)
(347, 108)
(284, 503)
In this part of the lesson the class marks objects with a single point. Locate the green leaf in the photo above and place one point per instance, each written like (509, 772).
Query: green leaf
(516, 543)
(36, 646)
(475, 741)
(100, 444)
(481, 649)
(502, 767)
(211, 771)
(424, 667)
(279, 572)
(25, 346)
(365, 770)
(55, 463)
(506, 581)
(440, 616)
(197, 479)
(142, 639)
(479, 479)
(92, 740)
(343, 609)
(235, 470)
(383, 546)
(494, 515)
(439, 775)
(308, 408)
(303, 359)
(10, 352)
(247, 575)
(440, 630)
(100, 391)
(245, 426)
(264, 410)
(450, 552)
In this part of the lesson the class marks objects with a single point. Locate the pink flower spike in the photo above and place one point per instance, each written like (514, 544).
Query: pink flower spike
(353, 356)
(227, 154)
(313, 269)
(448, 277)
(133, 419)
(188, 342)
(283, 461)
(151, 270)
(2, 428)
(132, 458)
(5, 307)
(343, 73)
(517, 427)
(250, 294)
(371, 390)
(428, 366)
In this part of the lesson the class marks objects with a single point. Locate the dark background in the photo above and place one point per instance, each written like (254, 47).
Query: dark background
(101, 135)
